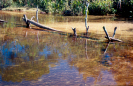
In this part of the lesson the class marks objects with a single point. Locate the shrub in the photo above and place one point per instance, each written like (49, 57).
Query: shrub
(78, 7)
(101, 7)
(5, 3)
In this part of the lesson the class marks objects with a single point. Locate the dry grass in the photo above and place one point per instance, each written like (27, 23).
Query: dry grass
(122, 31)
(97, 27)
(19, 9)
(15, 11)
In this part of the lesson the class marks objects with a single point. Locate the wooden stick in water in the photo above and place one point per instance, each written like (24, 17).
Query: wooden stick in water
(2, 20)
(87, 4)
(74, 31)
(106, 32)
(32, 17)
(25, 19)
(87, 30)
(28, 22)
(114, 32)
(37, 14)
(111, 38)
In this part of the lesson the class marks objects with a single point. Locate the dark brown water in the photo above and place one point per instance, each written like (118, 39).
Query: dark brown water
(41, 57)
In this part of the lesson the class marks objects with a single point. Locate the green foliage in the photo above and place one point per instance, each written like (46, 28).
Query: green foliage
(101, 7)
(5, 3)
(75, 7)
(78, 7)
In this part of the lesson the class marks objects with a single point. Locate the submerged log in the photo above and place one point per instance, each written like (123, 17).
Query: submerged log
(111, 38)
(28, 22)
(2, 20)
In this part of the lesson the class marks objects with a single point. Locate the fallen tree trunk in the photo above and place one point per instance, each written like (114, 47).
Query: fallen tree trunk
(28, 22)
(2, 20)
(113, 39)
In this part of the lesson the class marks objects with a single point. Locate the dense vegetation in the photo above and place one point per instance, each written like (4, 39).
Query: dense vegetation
(76, 7)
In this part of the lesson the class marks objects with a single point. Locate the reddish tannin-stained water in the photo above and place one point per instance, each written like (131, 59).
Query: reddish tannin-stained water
(42, 57)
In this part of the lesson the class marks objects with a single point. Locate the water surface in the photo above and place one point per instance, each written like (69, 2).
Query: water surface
(40, 57)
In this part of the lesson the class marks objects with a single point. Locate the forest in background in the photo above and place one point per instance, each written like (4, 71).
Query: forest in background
(75, 7)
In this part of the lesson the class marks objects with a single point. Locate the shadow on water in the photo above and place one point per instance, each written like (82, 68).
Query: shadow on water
(129, 20)
(129, 30)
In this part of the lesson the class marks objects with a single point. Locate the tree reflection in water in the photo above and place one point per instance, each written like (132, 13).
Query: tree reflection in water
(25, 70)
